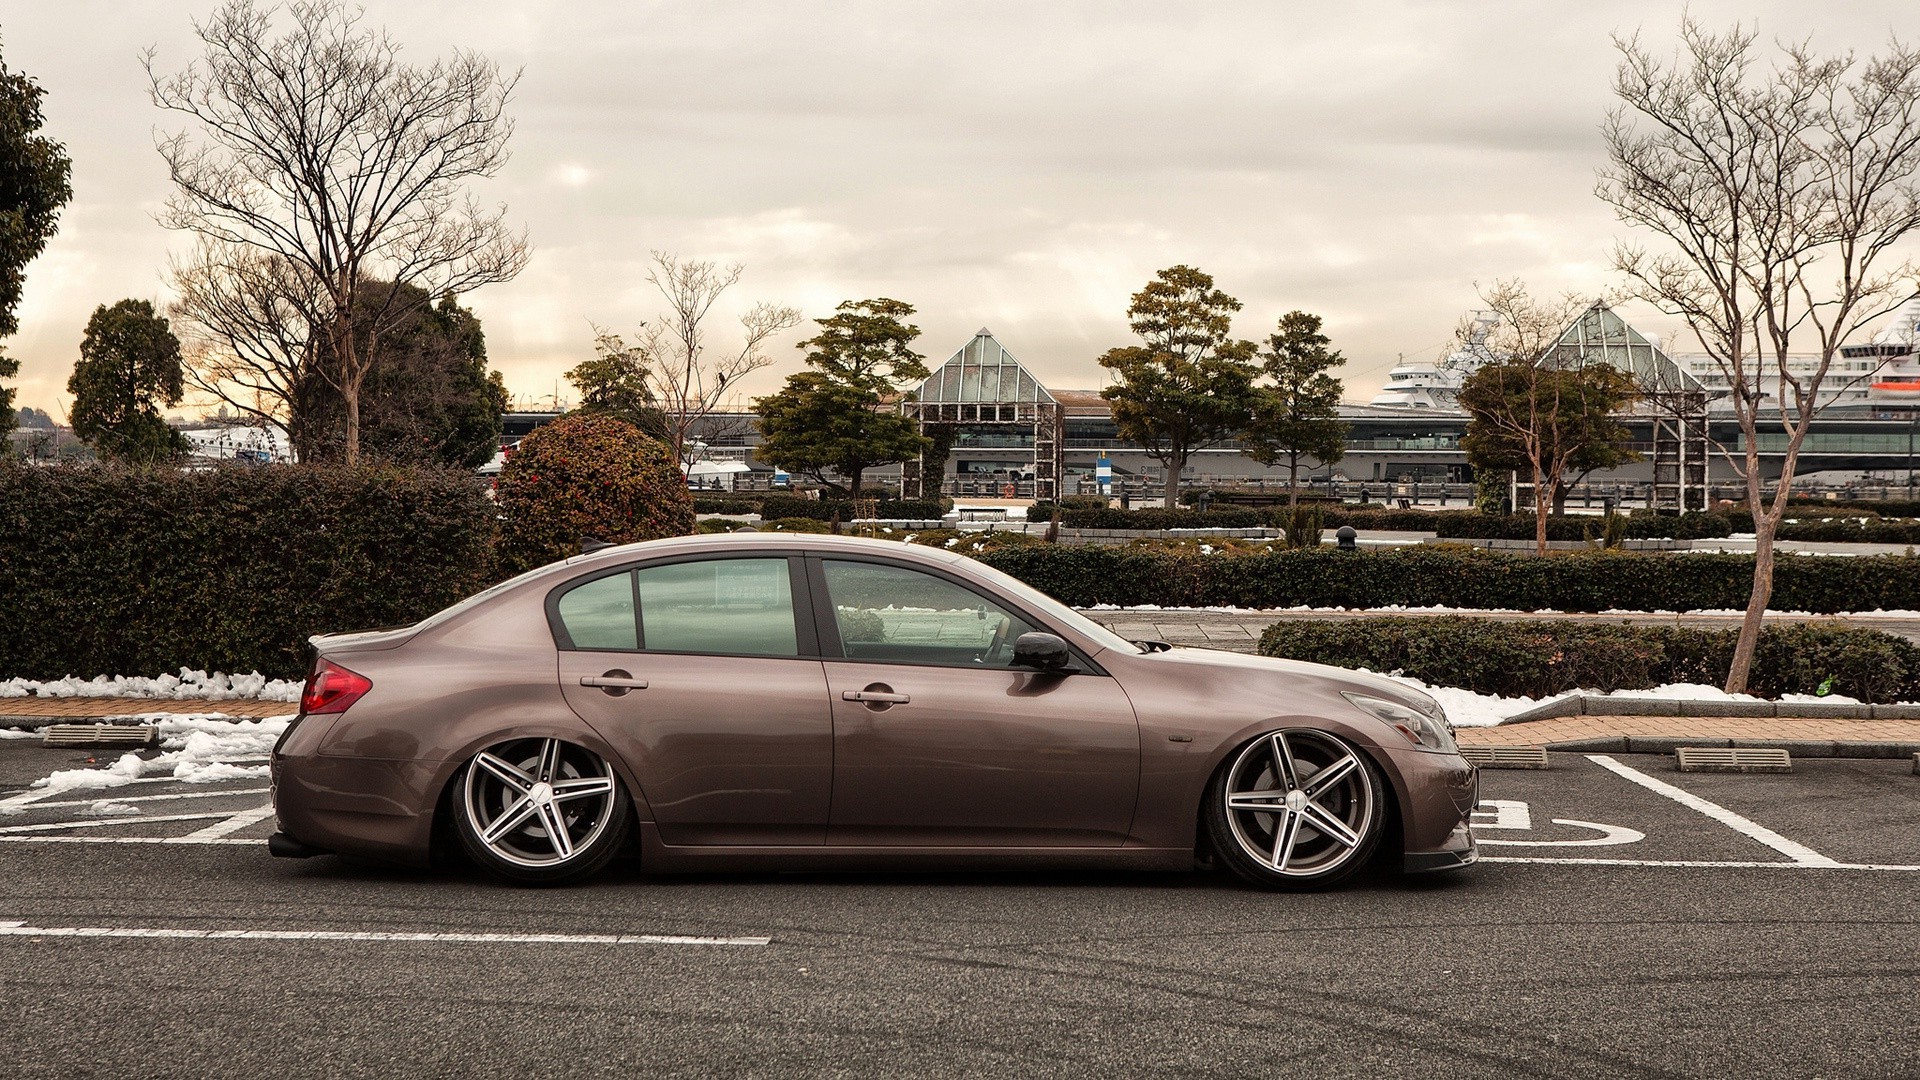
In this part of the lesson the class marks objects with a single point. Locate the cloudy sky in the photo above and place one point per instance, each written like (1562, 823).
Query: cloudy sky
(1024, 166)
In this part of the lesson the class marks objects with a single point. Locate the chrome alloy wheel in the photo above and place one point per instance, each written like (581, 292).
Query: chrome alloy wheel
(539, 802)
(1299, 802)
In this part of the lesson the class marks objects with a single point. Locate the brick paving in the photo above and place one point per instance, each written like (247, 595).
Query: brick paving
(65, 707)
(1569, 728)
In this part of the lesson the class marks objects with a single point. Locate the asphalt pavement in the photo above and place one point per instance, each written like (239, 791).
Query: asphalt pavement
(1637, 934)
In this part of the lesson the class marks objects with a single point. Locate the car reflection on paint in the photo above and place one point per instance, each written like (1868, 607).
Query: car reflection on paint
(790, 701)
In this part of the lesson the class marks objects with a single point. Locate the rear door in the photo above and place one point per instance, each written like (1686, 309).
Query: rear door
(701, 674)
(939, 742)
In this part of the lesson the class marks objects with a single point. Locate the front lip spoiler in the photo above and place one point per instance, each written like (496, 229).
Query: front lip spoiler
(1428, 862)
(282, 846)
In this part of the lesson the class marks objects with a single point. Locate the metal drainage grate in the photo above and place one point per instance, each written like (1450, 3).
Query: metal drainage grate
(1742, 759)
(99, 735)
(1506, 757)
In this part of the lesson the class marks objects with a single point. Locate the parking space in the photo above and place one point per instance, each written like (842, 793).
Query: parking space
(150, 810)
(1636, 808)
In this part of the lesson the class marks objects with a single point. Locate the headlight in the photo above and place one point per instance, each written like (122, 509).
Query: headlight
(1420, 728)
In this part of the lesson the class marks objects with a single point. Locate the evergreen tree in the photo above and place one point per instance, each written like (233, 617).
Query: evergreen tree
(615, 383)
(129, 367)
(1295, 416)
(33, 188)
(832, 417)
(1190, 384)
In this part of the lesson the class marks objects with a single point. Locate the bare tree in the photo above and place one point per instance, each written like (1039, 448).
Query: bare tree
(691, 380)
(321, 148)
(1781, 194)
(246, 322)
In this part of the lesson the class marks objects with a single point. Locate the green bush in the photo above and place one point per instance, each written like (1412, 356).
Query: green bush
(587, 475)
(1533, 658)
(1429, 576)
(123, 571)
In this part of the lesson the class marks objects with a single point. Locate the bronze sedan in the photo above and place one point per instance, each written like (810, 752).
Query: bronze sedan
(773, 701)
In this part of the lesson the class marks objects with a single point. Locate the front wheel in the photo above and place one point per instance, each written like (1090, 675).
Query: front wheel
(540, 811)
(1296, 809)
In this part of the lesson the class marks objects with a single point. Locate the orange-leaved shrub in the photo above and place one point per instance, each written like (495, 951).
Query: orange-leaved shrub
(587, 475)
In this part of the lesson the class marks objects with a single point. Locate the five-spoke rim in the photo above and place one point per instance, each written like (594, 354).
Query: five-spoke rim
(1299, 802)
(539, 802)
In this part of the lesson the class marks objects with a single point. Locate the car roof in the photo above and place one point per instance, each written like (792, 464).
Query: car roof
(762, 541)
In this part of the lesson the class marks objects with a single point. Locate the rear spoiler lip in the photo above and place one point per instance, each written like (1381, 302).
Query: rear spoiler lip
(386, 637)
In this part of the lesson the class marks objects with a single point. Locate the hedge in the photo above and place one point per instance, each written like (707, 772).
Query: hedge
(1447, 524)
(1424, 576)
(1537, 658)
(794, 506)
(123, 571)
(1851, 530)
(1474, 525)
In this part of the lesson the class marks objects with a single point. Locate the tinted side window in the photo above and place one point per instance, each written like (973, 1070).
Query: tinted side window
(741, 606)
(599, 614)
(895, 613)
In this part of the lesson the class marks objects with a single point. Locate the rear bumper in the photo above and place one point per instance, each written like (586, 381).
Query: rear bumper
(282, 846)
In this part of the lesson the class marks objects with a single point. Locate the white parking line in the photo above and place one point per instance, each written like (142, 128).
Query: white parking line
(232, 825)
(51, 826)
(1799, 853)
(21, 929)
(121, 840)
(1709, 863)
(148, 798)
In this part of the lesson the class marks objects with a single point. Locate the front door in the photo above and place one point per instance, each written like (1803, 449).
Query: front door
(694, 672)
(938, 742)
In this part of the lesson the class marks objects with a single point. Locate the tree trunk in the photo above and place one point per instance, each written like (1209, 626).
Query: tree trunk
(1293, 480)
(1542, 505)
(1763, 533)
(350, 394)
(1175, 464)
(853, 481)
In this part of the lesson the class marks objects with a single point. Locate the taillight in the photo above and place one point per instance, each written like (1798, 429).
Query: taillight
(332, 688)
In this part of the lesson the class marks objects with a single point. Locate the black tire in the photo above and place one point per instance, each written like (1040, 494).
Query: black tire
(1337, 824)
(507, 799)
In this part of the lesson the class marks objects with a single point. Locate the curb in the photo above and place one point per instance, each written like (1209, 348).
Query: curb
(1603, 705)
(35, 723)
(1799, 748)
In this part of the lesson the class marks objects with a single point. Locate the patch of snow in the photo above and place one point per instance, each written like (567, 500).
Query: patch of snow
(196, 749)
(190, 683)
(109, 808)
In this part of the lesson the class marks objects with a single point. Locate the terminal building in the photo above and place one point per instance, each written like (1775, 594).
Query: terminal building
(998, 430)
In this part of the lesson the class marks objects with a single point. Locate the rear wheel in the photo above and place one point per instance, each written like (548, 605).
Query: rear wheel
(540, 811)
(1296, 809)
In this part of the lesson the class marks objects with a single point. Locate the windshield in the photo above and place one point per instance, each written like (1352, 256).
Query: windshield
(1056, 610)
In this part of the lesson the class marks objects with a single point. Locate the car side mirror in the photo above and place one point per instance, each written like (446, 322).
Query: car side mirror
(1047, 652)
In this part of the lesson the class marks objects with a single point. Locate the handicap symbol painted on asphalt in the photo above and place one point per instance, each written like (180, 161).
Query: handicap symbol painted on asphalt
(1514, 814)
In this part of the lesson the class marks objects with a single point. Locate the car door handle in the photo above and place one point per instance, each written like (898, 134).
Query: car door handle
(876, 696)
(613, 682)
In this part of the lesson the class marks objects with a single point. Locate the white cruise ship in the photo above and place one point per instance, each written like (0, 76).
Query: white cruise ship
(1435, 384)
